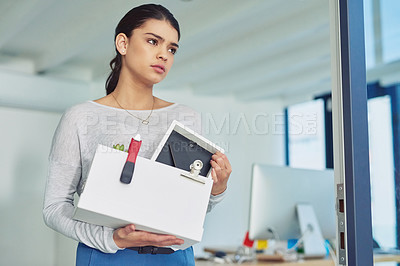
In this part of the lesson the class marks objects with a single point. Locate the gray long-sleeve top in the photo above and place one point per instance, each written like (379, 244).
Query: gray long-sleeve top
(81, 128)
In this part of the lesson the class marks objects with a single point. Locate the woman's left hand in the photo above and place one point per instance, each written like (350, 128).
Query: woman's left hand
(221, 170)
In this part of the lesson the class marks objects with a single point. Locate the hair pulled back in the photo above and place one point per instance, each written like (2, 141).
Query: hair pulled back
(135, 18)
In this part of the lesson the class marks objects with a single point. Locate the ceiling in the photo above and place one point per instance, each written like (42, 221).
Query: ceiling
(249, 49)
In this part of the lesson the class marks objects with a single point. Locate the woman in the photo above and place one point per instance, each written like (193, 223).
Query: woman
(146, 40)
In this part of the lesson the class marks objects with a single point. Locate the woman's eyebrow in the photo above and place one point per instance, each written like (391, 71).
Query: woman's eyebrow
(162, 39)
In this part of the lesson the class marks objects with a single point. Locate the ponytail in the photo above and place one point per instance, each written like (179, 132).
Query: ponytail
(112, 80)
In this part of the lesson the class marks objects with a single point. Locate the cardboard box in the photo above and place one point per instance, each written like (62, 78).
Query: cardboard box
(160, 199)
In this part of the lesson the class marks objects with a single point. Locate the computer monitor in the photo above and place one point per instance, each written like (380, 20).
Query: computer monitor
(275, 193)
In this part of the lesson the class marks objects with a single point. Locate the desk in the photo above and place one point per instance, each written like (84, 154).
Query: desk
(325, 262)
(386, 258)
(302, 263)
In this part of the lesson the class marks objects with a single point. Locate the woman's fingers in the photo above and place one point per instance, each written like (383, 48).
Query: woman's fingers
(221, 170)
(158, 240)
(213, 175)
(221, 164)
(227, 163)
(222, 160)
(129, 237)
(219, 160)
(217, 170)
(129, 228)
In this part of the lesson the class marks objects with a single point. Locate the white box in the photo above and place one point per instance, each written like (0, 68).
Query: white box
(159, 199)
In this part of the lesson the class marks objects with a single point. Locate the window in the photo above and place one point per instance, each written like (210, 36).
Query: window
(382, 31)
(390, 23)
(383, 205)
(306, 135)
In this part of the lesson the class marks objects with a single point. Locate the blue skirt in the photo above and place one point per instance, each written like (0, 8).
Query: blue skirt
(87, 256)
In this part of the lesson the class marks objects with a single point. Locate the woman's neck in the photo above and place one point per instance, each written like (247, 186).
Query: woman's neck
(133, 97)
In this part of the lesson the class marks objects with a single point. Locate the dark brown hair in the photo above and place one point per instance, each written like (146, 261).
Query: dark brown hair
(135, 18)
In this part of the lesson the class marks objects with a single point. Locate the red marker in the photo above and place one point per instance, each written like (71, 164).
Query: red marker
(129, 167)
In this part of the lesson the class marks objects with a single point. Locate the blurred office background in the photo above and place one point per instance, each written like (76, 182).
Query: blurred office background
(247, 66)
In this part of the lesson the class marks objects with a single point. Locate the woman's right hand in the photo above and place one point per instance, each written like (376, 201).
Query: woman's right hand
(128, 236)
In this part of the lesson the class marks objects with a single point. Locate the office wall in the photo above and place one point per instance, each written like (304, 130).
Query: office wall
(25, 139)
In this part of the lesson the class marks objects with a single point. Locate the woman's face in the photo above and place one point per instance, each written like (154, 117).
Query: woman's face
(150, 51)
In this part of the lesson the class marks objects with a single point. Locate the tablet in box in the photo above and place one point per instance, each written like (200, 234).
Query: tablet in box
(181, 146)
(181, 152)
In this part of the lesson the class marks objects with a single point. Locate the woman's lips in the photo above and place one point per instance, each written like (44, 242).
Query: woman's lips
(158, 68)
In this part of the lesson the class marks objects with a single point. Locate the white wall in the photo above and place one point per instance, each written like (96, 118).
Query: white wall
(247, 131)
(25, 139)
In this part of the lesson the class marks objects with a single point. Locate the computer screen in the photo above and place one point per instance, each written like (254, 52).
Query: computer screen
(275, 192)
